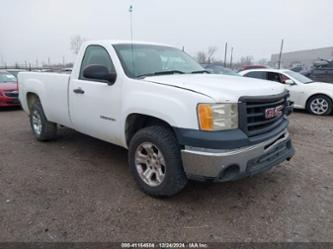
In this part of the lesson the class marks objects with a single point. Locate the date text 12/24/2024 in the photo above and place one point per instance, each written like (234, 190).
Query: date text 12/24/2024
(164, 245)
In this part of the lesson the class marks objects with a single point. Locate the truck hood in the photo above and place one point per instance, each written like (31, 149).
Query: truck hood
(221, 88)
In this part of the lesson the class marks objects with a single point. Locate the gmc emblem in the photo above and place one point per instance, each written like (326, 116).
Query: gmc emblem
(273, 112)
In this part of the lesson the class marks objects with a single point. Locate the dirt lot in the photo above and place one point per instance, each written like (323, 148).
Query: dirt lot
(80, 189)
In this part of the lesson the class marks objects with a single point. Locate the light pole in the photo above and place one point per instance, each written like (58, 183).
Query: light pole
(131, 21)
(232, 51)
(280, 55)
(225, 54)
(131, 30)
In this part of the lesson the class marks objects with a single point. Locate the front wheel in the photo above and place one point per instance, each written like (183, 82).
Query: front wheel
(320, 105)
(155, 161)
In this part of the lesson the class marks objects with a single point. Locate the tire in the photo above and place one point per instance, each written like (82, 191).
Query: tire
(159, 141)
(41, 127)
(319, 105)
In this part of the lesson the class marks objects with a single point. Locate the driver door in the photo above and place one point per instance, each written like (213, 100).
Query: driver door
(95, 105)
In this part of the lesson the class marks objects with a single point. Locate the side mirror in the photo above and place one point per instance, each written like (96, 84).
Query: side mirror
(289, 82)
(99, 73)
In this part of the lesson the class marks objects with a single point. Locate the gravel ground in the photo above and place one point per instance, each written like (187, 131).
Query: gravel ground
(80, 189)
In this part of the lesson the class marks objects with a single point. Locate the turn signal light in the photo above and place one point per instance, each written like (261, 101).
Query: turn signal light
(205, 114)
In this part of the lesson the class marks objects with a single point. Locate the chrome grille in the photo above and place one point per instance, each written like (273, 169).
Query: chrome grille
(255, 109)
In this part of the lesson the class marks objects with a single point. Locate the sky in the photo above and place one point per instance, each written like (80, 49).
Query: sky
(32, 30)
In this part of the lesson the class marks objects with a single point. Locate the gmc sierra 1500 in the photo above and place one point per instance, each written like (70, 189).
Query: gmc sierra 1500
(178, 121)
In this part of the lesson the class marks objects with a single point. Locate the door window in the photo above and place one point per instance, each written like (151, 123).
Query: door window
(257, 75)
(96, 55)
(284, 78)
(274, 77)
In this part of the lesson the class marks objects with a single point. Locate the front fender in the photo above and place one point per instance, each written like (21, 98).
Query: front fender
(176, 107)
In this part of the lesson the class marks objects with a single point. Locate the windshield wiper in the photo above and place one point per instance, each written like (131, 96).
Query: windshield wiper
(200, 71)
(160, 73)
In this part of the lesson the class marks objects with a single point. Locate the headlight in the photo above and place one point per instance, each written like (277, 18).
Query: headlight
(216, 117)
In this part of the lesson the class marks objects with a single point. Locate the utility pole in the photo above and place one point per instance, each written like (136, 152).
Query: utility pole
(225, 54)
(232, 51)
(63, 60)
(280, 55)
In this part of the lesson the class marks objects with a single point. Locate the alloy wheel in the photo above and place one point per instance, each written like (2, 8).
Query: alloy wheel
(319, 106)
(150, 164)
(37, 122)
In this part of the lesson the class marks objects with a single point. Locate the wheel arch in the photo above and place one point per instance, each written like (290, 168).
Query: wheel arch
(31, 98)
(317, 94)
(307, 104)
(137, 121)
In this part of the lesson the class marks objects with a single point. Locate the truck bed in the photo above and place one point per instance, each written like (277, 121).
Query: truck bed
(52, 88)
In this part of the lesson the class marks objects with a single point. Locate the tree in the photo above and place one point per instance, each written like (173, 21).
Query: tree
(210, 54)
(76, 42)
(207, 57)
(263, 61)
(201, 57)
(247, 60)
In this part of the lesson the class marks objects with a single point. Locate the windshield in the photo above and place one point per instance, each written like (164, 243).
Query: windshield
(299, 77)
(144, 60)
(221, 70)
(7, 78)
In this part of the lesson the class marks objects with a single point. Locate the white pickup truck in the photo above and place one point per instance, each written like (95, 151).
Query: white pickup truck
(177, 121)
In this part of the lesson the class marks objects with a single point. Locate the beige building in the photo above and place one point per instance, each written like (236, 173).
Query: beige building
(306, 57)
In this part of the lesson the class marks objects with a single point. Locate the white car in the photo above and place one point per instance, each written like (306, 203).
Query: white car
(315, 97)
(177, 121)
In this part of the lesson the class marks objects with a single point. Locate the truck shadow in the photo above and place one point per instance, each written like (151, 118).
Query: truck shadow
(10, 109)
(95, 155)
(301, 111)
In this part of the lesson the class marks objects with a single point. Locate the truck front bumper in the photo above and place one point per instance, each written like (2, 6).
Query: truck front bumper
(227, 165)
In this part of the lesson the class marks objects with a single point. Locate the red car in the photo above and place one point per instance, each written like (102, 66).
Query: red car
(8, 90)
(248, 67)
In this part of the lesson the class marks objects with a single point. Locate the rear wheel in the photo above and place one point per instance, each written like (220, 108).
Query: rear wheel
(155, 161)
(41, 127)
(320, 105)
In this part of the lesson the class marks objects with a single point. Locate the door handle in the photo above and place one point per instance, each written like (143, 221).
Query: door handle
(78, 91)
